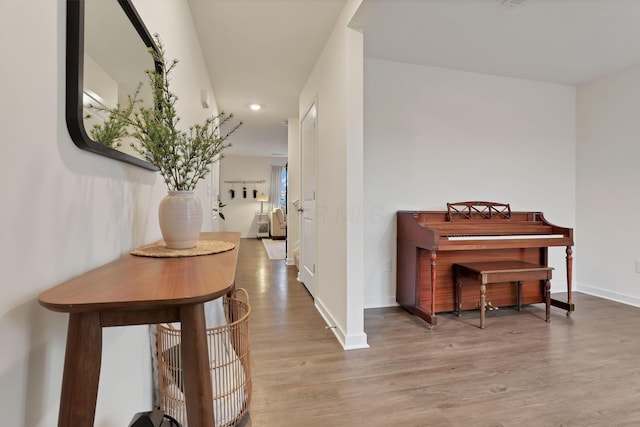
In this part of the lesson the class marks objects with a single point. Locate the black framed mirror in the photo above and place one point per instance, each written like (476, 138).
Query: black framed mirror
(107, 55)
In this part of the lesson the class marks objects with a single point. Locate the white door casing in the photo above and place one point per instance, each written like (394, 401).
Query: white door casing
(308, 199)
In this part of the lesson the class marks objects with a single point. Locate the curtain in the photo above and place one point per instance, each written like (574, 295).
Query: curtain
(275, 189)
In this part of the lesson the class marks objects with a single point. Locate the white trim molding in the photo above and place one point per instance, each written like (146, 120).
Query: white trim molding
(348, 342)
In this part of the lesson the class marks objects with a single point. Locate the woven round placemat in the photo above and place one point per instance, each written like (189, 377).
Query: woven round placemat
(203, 247)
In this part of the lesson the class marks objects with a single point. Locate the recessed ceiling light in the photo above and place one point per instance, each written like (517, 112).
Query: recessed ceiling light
(255, 107)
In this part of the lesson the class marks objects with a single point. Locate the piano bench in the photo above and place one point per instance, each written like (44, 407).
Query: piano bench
(490, 272)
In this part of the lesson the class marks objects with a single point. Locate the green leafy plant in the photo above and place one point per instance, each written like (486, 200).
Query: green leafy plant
(183, 158)
(219, 209)
(114, 127)
(109, 133)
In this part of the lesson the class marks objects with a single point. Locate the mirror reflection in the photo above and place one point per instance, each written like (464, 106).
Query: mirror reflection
(115, 58)
(107, 55)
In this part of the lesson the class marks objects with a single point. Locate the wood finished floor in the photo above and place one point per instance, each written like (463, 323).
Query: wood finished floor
(519, 371)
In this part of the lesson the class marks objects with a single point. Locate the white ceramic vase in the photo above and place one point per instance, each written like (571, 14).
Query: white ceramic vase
(180, 215)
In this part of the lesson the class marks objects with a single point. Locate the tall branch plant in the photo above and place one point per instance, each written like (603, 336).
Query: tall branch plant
(183, 158)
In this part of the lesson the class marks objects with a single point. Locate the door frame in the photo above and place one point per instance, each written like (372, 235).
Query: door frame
(307, 277)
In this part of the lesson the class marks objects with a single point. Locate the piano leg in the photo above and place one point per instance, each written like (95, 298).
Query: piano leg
(433, 285)
(519, 294)
(569, 276)
(568, 305)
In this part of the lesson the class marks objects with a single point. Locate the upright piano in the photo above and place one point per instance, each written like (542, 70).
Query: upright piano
(430, 242)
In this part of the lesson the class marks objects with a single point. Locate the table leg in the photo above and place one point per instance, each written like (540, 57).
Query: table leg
(81, 370)
(458, 292)
(195, 366)
(547, 299)
(483, 304)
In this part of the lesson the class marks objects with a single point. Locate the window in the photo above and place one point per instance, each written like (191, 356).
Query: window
(283, 188)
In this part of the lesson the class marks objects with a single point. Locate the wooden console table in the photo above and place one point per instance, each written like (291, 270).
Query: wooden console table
(135, 291)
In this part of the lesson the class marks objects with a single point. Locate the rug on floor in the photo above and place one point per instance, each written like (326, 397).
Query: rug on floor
(275, 248)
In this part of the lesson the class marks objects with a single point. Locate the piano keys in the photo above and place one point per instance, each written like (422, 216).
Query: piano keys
(503, 237)
(430, 242)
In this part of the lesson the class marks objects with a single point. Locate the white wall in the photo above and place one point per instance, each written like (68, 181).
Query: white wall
(66, 211)
(100, 82)
(336, 84)
(240, 213)
(607, 187)
(434, 136)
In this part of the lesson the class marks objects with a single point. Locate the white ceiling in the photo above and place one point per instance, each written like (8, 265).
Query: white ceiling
(561, 41)
(263, 50)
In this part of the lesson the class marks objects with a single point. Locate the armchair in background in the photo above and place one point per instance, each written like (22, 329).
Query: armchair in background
(278, 221)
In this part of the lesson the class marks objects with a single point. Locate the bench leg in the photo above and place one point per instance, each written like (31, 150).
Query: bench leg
(547, 299)
(458, 295)
(483, 304)
(519, 294)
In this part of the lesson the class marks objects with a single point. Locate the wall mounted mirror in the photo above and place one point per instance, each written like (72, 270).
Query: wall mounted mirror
(107, 55)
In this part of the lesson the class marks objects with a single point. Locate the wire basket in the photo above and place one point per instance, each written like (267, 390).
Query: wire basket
(229, 362)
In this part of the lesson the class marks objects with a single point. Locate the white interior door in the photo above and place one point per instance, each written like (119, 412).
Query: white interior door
(307, 209)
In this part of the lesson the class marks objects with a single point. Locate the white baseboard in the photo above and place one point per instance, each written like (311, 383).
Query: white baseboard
(610, 295)
(390, 300)
(380, 301)
(348, 342)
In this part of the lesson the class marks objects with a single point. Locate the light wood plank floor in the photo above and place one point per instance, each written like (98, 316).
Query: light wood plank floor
(519, 371)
